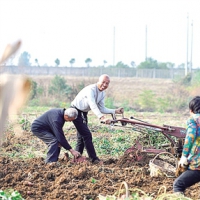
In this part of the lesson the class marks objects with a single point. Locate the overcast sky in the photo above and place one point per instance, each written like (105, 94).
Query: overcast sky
(81, 29)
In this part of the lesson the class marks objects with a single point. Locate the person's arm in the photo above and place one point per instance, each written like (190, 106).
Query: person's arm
(104, 109)
(59, 134)
(93, 104)
(189, 141)
(190, 137)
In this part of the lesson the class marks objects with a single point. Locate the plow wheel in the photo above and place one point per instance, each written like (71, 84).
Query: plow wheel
(136, 156)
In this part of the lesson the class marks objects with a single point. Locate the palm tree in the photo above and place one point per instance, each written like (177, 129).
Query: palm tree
(72, 61)
(88, 61)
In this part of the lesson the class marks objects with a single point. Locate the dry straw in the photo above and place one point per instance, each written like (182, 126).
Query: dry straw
(125, 194)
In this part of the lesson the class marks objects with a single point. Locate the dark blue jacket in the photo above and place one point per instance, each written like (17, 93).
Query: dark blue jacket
(52, 121)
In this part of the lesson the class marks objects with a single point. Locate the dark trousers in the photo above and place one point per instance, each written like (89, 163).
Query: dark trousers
(186, 179)
(50, 140)
(84, 136)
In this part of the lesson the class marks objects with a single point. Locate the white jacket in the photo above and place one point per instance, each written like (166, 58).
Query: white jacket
(91, 98)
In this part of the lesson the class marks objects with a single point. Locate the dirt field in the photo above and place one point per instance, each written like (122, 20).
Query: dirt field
(67, 180)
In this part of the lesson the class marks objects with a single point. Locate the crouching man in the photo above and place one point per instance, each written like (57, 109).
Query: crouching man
(49, 128)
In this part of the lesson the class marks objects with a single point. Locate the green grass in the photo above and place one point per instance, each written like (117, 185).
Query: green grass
(35, 109)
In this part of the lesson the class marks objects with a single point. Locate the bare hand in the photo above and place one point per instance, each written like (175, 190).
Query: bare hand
(119, 111)
(76, 154)
(106, 121)
(59, 145)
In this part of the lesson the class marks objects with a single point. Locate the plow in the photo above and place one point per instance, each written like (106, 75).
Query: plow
(174, 135)
(167, 141)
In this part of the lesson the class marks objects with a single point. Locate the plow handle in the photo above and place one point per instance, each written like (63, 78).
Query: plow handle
(178, 132)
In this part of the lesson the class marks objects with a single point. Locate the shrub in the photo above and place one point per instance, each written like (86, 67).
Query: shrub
(33, 92)
(109, 102)
(58, 87)
(125, 105)
(162, 104)
(146, 100)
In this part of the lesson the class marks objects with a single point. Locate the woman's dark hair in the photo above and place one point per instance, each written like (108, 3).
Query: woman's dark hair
(194, 105)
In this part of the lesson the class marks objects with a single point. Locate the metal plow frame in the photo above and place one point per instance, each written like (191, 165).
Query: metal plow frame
(174, 147)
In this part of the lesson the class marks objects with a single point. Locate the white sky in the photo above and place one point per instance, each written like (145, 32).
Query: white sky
(79, 29)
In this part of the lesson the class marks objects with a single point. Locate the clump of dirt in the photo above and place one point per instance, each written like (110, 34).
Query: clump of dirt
(34, 179)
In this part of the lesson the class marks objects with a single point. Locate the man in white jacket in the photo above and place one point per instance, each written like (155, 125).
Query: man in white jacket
(91, 98)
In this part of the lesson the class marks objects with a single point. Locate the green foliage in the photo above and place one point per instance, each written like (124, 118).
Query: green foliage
(125, 105)
(150, 63)
(59, 88)
(146, 100)
(115, 144)
(88, 61)
(196, 79)
(10, 194)
(72, 61)
(80, 86)
(57, 61)
(162, 104)
(24, 59)
(109, 102)
(40, 91)
(121, 65)
(37, 63)
(34, 103)
(25, 124)
(186, 81)
(93, 180)
(35, 109)
(176, 100)
(33, 89)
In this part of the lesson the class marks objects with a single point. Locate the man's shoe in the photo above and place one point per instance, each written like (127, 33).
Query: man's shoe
(97, 162)
(178, 193)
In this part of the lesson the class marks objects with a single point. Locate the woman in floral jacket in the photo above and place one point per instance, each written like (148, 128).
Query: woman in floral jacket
(191, 150)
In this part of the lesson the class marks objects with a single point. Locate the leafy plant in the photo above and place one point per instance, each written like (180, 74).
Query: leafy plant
(93, 180)
(25, 124)
(10, 194)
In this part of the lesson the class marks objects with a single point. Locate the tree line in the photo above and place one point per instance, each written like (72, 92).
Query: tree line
(149, 63)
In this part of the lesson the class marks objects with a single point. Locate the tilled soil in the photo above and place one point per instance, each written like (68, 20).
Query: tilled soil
(34, 179)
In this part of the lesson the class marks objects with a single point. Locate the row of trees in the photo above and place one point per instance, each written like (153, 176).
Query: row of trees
(149, 63)
(24, 60)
